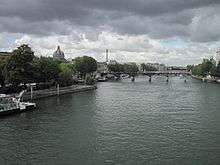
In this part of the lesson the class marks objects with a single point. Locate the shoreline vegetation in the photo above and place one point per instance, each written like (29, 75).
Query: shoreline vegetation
(43, 76)
(207, 71)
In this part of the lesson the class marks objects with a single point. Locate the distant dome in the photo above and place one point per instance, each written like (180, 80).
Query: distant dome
(58, 54)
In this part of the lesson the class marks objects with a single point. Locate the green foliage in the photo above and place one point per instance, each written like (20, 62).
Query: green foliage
(46, 69)
(217, 71)
(147, 67)
(89, 80)
(22, 67)
(207, 67)
(19, 68)
(197, 70)
(85, 65)
(66, 74)
(3, 62)
(116, 67)
(189, 67)
(131, 69)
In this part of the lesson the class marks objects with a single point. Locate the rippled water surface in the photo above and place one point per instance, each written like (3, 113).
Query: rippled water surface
(119, 123)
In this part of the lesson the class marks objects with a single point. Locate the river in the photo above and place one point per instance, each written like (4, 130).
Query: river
(121, 123)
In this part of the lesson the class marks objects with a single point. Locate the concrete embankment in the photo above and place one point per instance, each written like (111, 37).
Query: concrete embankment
(55, 92)
(204, 79)
(197, 77)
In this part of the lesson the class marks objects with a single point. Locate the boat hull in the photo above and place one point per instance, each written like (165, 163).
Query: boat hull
(17, 110)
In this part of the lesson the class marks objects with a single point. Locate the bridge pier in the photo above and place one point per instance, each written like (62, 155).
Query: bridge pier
(150, 78)
(167, 79)
(132, 78)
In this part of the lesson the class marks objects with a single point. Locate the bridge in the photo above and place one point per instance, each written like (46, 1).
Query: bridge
(166, 72)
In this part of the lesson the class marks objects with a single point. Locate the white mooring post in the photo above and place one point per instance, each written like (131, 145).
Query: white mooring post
(58, 89)
(31, 92)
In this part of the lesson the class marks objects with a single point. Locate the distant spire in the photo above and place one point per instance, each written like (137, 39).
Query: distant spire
(106, 55)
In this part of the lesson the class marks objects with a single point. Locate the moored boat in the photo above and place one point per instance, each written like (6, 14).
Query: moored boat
(10, 104)
(102, 79)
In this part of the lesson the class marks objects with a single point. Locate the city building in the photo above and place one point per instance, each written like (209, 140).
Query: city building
(58, 54)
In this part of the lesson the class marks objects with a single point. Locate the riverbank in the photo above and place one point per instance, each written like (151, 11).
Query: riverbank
(205, 79)
(56, 92)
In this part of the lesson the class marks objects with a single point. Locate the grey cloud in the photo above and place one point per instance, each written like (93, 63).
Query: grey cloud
(156, 18)
(66, 9)
(206, 25)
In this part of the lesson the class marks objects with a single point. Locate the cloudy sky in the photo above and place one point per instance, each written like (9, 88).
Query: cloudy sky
(173, 32)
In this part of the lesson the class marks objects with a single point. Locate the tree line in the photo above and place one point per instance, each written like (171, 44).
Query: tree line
(207, 67)
(130, 68)
(22, 67)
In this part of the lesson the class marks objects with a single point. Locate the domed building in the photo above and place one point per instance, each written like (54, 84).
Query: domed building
(58, 54)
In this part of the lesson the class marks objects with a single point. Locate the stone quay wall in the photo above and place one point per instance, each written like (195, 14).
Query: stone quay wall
(57, 91)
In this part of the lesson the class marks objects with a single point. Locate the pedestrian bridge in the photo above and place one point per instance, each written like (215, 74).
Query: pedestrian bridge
(166, 72)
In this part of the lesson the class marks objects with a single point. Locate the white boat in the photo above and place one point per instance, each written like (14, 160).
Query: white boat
(102, 79)
(181, 76)
(10, 105)
(124, 76)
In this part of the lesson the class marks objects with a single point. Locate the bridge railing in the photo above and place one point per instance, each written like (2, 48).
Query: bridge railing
(167, 72)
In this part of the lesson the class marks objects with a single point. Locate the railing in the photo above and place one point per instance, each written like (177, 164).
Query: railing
(167, 72)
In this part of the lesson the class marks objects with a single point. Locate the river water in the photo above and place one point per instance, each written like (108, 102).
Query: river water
(121, 123)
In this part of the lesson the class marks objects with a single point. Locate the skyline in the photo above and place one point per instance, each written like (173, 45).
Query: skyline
(172, 32)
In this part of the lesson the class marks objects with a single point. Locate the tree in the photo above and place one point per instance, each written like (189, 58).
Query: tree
(46, 69)
(150, 68)
(116, 67)
(197, 70)
(143, 67)
(207, 67)
(189, 67)
(147, 67)
(85, 65)
(3, 61)
(131, 68)
(19, 68)
(66, 74)
(218, 70)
